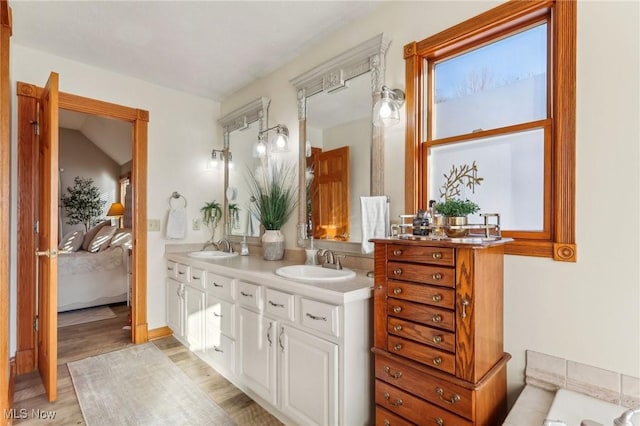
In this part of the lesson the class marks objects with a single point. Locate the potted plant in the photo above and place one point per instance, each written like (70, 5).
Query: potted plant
(211, 215)
(455, 212)
(274, 195)
(234, 215)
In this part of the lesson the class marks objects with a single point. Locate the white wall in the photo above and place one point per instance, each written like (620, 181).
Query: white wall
(586, 311)
(182, 132)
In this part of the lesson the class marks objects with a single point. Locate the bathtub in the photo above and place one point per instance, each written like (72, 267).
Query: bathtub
(571, 408)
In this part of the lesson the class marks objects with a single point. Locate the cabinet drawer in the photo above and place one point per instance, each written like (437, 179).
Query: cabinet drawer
(420, 333)
(433, 389)
(421, 353)
(249, 295)
(436, 275)
(424, 314)
(184, 272)
(430, 255)
(219, 286)
(172, 269)
(222, 352)
(279, 304)
(430, 295)
(197, 277)
(320, 316)
(387, 418)
(414, 408)
(219, 318)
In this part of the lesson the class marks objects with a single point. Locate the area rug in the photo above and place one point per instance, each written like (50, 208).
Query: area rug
(81, 316)
(140, 385)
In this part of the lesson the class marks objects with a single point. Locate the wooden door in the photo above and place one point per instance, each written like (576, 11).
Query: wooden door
(47, 250)
(333, 194)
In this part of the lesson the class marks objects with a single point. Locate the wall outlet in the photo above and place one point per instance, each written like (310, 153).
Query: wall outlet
(196, 224)
(153, 225)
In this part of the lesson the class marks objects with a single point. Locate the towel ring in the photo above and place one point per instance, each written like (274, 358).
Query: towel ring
(176, 196)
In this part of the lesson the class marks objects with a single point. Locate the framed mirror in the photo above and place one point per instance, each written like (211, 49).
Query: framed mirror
(340, 151)
(240, 131)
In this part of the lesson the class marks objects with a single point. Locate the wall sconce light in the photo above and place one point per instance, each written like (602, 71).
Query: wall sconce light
(214, 159)
(279, 143)
(386, 111)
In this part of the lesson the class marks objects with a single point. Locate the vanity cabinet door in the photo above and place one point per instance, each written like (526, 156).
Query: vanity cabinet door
(308, 377)
(194, 317)
(175, 307)
(257, 345)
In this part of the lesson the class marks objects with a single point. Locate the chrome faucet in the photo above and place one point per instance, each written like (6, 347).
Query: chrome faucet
(625, 418)
(225, 245)
(331, 260)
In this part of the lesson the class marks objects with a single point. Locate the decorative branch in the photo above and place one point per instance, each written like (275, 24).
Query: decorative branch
(465, 174)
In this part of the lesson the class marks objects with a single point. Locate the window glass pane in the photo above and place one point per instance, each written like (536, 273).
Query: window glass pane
(512, 171)
(496, 85)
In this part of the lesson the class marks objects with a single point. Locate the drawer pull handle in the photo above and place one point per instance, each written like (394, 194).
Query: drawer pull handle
(276, 305)
(246, 294)
(169, 268)
(436, 318)
(269, 334)
(395, 375)
(397, 309)
(387, 422)
(437, 360)
(439, 421)
(397, 347)
(397, 252)
(465, 302)
(437, 255)
(215, 348)
(397, 271)
(437, 276)
(194, 277)
(454, 397)
(396, 403)
(436, 298)
(217, 315)
(313, 317)
(437, 339)
(180, 273)
(397, 290)
(215, 284)
(397, 327)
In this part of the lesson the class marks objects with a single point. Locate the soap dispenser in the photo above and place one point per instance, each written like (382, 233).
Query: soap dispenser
(244, 248)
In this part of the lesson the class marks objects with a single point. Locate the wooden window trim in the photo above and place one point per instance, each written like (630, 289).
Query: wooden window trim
(561, 197)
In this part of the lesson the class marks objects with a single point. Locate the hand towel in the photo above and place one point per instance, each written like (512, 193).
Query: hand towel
(375, 220)
(177, 223)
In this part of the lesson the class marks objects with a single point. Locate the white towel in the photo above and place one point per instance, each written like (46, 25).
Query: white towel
(375, 220)
(177, 223)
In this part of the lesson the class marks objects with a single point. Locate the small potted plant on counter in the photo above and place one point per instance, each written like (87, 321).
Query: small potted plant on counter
(455, 212)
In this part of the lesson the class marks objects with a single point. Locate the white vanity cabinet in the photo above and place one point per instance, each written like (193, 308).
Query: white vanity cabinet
(220, 320)
(185, 304)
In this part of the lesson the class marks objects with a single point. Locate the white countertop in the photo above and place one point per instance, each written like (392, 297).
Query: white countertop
(530, 408)
(259, 271)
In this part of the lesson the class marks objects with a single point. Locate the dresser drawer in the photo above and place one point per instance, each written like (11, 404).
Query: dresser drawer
(219, 286)
(319, 316)
(433, 389)
(430, 295)
(249, 295)
(436, 275)
(420, 333)
(219, 317)
(415, 409)
(197, 277)
(431, 255)
(222, 352)
(421, 353)
(279, 304)
(424, 314)
(184, 272)
(387, 418)
(172, 270)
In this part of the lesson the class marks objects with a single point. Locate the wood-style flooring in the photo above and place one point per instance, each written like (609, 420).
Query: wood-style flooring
(84, 340)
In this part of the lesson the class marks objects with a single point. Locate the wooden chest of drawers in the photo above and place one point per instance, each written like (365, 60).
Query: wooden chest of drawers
(438, 325)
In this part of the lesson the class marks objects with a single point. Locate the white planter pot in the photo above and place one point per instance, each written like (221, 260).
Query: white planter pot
(273, 245)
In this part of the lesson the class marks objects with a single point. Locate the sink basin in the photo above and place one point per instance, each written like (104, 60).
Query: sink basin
(211, 254)
(571, 408)
(313, 273)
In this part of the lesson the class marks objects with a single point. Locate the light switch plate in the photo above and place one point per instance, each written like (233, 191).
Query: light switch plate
(196, 224)
(153, 225)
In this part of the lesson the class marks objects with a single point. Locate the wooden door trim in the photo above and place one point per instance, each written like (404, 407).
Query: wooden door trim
(27, 95)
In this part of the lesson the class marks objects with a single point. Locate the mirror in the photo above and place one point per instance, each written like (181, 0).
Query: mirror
(240, 131)
(335, 103)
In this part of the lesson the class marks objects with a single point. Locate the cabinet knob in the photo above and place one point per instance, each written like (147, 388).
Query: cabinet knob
(397, 347)
(437, 339)
(437, 255)
(397, 271)
(397, 309)
(397, 290)
(437, 360)
(436, 298)
(397, 327)
(439, 421)
(436, 318)
(437, 276)
(397, 252)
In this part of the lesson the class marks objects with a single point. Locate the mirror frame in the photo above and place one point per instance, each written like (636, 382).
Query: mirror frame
(333, 74)
(237, 120)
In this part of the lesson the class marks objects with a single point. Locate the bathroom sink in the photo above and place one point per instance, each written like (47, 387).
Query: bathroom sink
(572, 408)
(313, 273)
(211, 254)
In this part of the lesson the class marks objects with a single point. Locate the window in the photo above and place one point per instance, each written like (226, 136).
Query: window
(494, 97)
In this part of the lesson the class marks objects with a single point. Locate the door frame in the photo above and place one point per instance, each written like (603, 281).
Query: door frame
(26, 290)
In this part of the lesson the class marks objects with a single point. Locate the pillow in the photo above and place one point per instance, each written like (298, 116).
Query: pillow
(101, 239)
(71, 242)
(122, 238)
(88, 237)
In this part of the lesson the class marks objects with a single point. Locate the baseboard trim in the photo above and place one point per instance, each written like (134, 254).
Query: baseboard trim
(159, 333)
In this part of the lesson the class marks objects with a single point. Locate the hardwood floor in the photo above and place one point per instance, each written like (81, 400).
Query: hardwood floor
(84, 340)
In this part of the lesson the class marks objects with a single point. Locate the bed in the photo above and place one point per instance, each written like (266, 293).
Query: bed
(92, 278)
